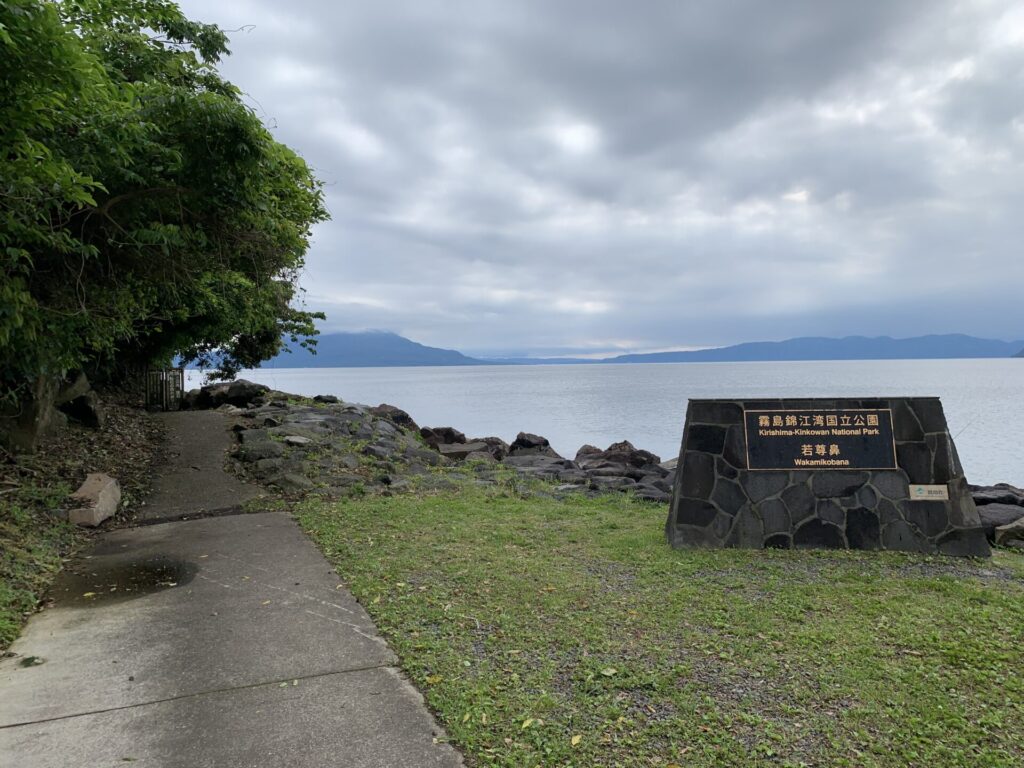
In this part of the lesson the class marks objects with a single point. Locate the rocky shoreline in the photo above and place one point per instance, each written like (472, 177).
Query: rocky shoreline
(323, 445)
(298, 445)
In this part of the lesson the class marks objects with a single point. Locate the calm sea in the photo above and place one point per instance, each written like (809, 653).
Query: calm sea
(646, 403)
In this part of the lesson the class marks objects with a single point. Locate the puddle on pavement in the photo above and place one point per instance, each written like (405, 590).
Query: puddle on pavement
(92, 581)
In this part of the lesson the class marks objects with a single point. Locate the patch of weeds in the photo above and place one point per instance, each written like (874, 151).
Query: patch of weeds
(34, 539)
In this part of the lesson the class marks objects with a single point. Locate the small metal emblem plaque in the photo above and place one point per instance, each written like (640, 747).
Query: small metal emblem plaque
(929, 493)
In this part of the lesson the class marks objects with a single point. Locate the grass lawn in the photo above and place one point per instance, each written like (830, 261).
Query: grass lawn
(562, 633)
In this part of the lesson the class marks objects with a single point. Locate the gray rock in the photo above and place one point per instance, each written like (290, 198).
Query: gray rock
(481, 456)
(997, 494)
(587, 452)
(297, 440)
(345, 480)
(326, 399)
(85, 409)
(72, 390)
(268, 467)
(434, 436)
(538, 461)
(247, 436)
(994, 516)
(647, 493)
(527, 443)
(255, 451)
(292, 483)
(240, 393)
(378, 451)
(461, 450)
(624, 453)
(1014, 531)
(96, 500)
(653, 481)
(497, 447)
(615, 470)
(396, 416)
(423, 456)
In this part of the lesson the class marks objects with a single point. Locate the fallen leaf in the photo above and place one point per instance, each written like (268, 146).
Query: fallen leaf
(527, 723)
(576, 739)
(465, 718)
(265, 602)
(434, 679)
(89, 594)
(609, 671)
(375, 600)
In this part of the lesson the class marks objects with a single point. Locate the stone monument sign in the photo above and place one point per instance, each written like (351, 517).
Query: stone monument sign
(837, 473)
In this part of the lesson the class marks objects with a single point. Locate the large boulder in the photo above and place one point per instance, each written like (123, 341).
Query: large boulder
(1001, 493)
(527, 444)
(1012, 532)
(239, 393)
(85, 409)
(994, 516)
(396, 416)
(435, 436)
(72, 389)
(622, 453)
(496, 447)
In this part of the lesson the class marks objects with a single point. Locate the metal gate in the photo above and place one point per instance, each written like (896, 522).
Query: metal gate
(164, 388)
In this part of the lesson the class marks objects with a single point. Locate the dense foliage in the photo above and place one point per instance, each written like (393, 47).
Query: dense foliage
(145, 211)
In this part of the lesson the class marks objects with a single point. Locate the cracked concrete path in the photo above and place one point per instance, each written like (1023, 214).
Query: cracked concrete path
(222, 641)
(192, 479)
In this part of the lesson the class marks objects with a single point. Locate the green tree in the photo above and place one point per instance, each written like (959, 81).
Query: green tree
(145, 211)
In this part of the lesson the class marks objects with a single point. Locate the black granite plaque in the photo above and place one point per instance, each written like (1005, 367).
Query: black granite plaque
(903, 489)
(854, 438)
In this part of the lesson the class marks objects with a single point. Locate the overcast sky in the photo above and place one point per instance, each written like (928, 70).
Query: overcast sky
(551, 177)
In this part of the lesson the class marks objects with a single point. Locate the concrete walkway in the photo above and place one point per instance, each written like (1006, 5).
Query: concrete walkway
(193, 479)
(223, 641)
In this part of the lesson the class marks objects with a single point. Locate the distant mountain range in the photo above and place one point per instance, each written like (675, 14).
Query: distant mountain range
(384, 349)
(369, 349)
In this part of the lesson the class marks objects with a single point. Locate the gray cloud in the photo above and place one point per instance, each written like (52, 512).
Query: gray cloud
(581, 176)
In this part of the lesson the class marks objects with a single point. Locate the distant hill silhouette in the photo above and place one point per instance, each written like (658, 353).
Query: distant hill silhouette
(937, 347)
(384, 349)
(369, 349)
